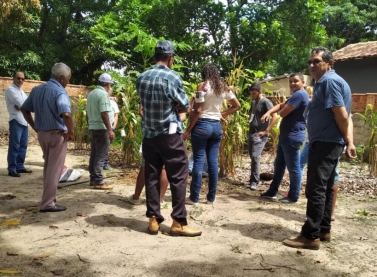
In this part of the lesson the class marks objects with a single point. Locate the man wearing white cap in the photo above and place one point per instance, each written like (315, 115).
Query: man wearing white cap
(98, 108)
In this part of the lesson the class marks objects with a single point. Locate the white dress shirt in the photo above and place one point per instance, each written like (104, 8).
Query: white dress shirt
(15, 96)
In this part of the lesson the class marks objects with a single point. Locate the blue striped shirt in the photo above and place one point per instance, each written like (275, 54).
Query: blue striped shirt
(161, 93)
(48, 102)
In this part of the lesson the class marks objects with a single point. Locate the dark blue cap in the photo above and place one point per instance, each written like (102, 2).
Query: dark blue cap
(164, 47)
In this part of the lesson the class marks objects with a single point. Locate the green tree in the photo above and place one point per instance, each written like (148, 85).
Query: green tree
(350, 21)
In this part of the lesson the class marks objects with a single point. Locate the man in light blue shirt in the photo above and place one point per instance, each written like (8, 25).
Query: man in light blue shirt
(53, 122)
(18, 127)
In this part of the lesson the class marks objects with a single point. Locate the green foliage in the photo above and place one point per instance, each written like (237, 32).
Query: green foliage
(235, 126)
(370, 118)
(81, 133)
(363, 212)
(350, 21)
(129, 119)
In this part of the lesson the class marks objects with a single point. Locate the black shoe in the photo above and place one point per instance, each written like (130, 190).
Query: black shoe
(286, 200)
(13, 174)
(267, 196)
(24, 171)
(55, 209)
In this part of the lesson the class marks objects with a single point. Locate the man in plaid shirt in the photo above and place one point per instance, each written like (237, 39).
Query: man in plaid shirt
(163, 98)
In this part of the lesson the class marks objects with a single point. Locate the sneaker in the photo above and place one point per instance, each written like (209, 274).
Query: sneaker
(190, 202)
(133, 201)
(253, 186)
(287, 200)
(302, 242)
(106, 167)
(267, 196)
(210, 202)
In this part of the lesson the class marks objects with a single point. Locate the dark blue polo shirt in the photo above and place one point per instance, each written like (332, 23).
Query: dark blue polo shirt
(330, 91)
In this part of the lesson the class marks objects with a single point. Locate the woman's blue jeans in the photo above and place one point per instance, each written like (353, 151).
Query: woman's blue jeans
(288, 155)
(205, 140)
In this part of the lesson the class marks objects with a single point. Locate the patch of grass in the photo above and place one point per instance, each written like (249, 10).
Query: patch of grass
(235, 249)
(253, 209)
(362, 212)
(197, 212)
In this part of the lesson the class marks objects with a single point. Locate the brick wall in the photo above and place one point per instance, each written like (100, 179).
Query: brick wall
(361, 133)
(73, 90)
(5, 82)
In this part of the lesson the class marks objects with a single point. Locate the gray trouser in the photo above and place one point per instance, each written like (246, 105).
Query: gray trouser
(256, 145)
(99, 146)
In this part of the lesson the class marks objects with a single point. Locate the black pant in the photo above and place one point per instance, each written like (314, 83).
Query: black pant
(168, 150)
(322, 160)
(99, 147)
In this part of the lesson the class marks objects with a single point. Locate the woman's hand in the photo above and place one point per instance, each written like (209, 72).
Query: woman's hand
(185, 135)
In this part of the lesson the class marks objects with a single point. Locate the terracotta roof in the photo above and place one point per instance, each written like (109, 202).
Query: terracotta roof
(356, 51)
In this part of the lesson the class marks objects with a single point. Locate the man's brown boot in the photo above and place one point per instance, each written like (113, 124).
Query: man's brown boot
(325, 236)
(154, 226)
(177, 229)
(302, 242)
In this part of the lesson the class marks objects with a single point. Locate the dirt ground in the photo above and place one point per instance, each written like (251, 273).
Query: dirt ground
(101, 234)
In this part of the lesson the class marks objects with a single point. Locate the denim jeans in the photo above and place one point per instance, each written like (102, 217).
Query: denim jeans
(288, 155)
(191, 164)
(18, 140)
(323, 158)
(205, 140)
(256, 145)
(99, 147)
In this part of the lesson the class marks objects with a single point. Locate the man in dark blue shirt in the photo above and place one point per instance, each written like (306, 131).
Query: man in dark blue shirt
(163, 98)
(328, 122)
(292, 135)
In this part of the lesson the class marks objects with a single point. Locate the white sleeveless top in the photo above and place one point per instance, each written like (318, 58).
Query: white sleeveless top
(212, 103)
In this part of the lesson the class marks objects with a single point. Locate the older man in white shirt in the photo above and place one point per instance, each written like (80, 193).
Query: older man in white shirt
(18, 127)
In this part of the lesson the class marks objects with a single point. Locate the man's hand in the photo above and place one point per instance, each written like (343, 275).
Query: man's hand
(351, 151)
(111, 135)
(264, 117)
(262, 133)
(185, 135)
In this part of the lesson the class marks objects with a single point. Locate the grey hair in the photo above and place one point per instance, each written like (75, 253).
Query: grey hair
(60, 69)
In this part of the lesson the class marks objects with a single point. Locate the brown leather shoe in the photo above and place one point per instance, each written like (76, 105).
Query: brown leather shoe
(177, 229)
(154, 226)
(325, 236)
(302, 242)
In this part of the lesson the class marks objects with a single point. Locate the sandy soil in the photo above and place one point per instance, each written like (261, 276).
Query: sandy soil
(102, 235)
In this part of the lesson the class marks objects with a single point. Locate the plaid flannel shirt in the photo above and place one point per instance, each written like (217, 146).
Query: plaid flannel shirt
(161, 93)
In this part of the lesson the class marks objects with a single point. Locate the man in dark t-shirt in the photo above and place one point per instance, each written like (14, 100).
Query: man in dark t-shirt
(258, 131)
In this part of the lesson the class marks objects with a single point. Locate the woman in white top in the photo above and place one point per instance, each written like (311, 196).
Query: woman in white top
(206, 130)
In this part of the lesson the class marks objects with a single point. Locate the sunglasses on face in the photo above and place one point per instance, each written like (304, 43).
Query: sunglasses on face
(314, 62)
(20, 78)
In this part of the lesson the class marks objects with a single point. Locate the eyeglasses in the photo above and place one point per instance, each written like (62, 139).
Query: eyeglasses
(20, 79)
(314, 62)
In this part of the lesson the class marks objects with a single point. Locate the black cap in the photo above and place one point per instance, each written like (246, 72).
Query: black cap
(164, 47)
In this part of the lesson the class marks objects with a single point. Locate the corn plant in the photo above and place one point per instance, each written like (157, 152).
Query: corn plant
(129, 120)
(370, 118)
(235, 126)
(81, 133)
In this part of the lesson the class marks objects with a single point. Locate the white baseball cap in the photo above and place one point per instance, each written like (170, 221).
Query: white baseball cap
(106, 78)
